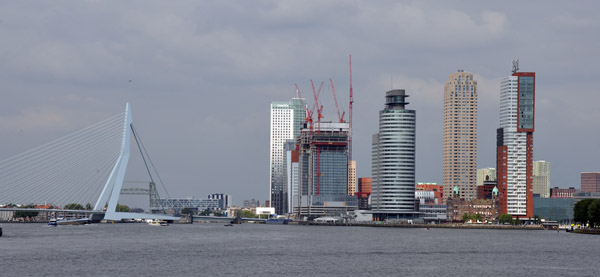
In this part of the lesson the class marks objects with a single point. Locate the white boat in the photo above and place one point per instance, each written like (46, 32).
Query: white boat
(158, 223)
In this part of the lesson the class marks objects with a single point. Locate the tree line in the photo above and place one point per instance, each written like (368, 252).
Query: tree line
(587, 211)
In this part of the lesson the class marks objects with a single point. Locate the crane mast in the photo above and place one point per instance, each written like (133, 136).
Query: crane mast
(350, 115)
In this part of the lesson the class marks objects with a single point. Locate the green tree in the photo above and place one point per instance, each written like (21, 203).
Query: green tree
(88, 206)
(477, 217)
(594, 213)
(247, 213)
(505, 218)
(73, 206)
(122, 208)
(581, 211)
(466, 217)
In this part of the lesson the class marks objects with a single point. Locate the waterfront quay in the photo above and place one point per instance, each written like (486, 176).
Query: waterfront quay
(426, 226)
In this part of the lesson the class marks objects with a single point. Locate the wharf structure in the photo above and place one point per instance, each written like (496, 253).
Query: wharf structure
(393, 160)
(514, 152)
(323, 171)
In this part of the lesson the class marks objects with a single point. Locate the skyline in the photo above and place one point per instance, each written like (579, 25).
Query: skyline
(204, 74)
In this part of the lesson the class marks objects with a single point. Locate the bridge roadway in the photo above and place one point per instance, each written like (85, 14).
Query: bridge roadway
(121, 214)
(224, 219)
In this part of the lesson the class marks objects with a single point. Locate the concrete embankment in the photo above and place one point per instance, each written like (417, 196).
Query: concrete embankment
(424, 226)
(587, 231)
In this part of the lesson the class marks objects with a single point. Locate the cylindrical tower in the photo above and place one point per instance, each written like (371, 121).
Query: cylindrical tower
(394, 156)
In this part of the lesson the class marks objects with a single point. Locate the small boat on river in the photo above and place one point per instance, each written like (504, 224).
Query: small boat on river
(158, 223)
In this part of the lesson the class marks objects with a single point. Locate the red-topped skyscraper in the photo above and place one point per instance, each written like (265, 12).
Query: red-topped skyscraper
(514, 161)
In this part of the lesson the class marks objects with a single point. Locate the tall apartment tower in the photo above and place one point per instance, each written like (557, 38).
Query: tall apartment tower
(590, 181)
(286, 120)
(351, 177)
(460, 135)
(541, 178)
(393, 156)
(514, 140)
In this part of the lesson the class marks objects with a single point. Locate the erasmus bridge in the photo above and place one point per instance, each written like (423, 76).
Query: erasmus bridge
(87, 166)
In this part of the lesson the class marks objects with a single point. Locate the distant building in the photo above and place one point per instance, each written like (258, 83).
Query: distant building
(438, 191)
(457, 207)
(485, 191)
(557, 192)
(585, 195)
(541, 178)
(251, 203)
(554, 209)
(485, 174)
(393, 160)
(191, 202)
(433, 212)
(364, 192)
(365, 185)
(514, 152)
(460, 135)
(323, 170)
(590, 181)
(286, 119)
(224, 199)
(291, 177)
(351, 177)
(263, 212)
(425, 196)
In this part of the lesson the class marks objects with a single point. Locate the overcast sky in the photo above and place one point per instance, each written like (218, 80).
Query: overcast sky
(203, 75)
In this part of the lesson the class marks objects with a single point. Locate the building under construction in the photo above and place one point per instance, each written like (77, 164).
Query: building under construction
(323, 153)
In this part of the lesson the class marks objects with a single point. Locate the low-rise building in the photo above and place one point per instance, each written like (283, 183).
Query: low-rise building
(457, 207)
(557, 192)
(554, 209)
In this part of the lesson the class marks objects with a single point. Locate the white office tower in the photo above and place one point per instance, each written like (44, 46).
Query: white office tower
(286, 120)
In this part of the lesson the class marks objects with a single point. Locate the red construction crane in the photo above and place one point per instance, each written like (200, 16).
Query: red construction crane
(340, 117)
(307, 113)
(350, 109)
(316, 104)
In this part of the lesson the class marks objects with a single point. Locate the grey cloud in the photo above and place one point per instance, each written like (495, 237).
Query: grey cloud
(203, 75)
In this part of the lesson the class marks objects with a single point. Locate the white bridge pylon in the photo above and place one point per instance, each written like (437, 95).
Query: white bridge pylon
(87, 166)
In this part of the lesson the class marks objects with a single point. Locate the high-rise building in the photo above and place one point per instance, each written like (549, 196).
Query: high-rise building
(323, 170)
(590, 181)
(460, 135)
(364, 192)
(541, 179)
(485, 174)
(514, 156)
(393, 158)
(351, 177)
(291, 174)
(286, 120)
(224, 199)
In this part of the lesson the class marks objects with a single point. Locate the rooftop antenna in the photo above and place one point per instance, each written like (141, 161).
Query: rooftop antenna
(515, 66)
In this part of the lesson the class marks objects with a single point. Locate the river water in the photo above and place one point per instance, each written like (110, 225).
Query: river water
(271, 250)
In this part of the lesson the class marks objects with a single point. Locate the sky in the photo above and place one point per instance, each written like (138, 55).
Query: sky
(200, 77)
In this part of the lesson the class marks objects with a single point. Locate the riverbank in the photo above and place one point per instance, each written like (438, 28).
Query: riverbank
(425, 226)
(587, 231)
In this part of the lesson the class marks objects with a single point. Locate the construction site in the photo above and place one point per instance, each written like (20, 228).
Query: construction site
(324, 151)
